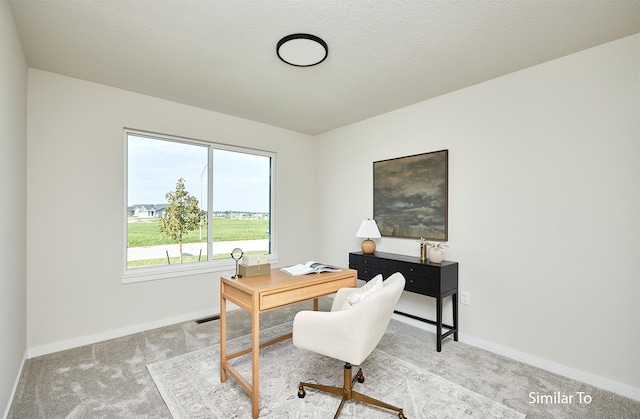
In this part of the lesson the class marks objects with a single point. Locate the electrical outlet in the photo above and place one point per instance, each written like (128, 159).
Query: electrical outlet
(465, 297)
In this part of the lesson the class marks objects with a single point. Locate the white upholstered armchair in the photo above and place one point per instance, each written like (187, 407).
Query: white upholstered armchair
(350, 332)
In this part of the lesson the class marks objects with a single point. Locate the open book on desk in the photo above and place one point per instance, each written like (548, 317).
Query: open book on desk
(310, 267)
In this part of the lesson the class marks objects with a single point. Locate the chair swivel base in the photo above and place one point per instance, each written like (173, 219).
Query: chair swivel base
(347, 392)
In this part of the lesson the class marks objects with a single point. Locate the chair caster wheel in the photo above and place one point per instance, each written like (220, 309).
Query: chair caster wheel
(360, 376)
(301, 392)
(361, 379)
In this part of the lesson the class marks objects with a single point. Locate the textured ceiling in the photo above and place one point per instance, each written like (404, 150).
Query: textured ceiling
(383, 55)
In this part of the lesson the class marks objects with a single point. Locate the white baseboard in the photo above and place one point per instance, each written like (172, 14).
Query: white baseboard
(584, 377)
(15, 387)
(594, 380)
(117, 333)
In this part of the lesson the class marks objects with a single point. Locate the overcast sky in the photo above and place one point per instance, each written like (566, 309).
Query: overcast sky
(241, 181)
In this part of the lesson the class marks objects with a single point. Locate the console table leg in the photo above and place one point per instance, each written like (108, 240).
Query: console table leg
(439, 324)
(454, 300)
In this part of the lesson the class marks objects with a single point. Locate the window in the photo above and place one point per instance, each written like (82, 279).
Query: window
(189, 203)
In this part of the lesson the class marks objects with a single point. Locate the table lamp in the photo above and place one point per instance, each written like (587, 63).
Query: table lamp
(368, 230)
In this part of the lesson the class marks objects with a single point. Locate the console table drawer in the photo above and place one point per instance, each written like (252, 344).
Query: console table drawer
(367, 274)
(420, 285)
(369, 262)
(424, 270)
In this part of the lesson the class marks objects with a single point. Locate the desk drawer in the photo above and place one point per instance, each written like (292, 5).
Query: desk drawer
(279, 298)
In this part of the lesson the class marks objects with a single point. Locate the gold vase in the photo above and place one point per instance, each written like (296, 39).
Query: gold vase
(423, 252)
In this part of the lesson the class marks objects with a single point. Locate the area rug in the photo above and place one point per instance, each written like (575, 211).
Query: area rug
(190, 386)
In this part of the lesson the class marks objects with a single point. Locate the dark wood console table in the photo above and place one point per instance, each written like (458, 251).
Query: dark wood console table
(437, 280)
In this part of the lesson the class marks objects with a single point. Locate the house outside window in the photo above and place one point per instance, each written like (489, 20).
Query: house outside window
(189, 203)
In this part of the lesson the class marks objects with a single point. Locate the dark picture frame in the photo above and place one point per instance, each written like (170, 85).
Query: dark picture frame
(410, 196)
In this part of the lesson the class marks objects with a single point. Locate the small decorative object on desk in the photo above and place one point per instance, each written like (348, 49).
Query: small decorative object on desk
(247, 271)
(236, 254)
(436, 255)
(436, 251)
(252, 260)
(310, 267)
(423, 248)
(432, 251)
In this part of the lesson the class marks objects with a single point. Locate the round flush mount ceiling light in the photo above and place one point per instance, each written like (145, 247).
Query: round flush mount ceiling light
(302, 50)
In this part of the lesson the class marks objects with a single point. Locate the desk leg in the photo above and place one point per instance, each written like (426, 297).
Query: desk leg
(315, 304)
(255, 359)
(439, 323)
(454, 300)
(223, 336)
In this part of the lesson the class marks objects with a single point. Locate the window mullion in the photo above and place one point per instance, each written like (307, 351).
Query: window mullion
(210, 205)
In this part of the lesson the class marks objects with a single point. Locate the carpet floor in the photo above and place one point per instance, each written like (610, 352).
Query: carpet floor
(190, 386)
(110, 379)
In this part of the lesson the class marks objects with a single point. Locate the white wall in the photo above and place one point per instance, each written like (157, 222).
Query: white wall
(13, 200)
(544, 208)
(75, 209)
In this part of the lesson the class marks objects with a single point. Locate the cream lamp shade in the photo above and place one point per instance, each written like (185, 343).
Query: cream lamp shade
(368, 230)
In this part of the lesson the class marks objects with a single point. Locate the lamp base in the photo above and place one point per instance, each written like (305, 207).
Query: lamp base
(368, 246)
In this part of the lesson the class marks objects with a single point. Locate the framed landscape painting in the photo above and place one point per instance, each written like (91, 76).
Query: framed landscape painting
(410, 196)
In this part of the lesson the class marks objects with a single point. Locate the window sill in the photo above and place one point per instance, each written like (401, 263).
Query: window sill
(136, 275)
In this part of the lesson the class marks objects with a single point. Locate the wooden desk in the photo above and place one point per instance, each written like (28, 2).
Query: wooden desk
(259, 294)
